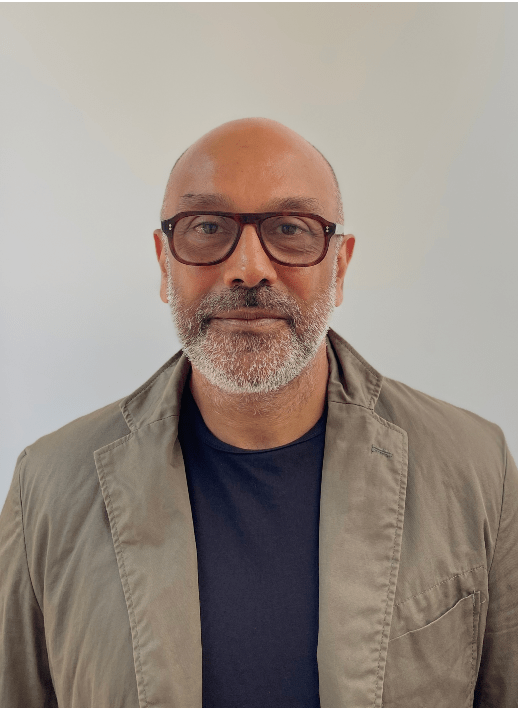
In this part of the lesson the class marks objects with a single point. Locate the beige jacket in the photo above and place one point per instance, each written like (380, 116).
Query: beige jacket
(99, 604)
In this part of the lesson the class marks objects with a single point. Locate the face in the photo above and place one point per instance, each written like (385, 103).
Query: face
(250, 325)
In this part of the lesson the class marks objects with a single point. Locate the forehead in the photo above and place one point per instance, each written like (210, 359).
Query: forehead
(252, 174)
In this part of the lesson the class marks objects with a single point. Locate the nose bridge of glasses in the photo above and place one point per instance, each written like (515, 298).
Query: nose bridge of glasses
(247, 220)
(250, 226)
(248, 260)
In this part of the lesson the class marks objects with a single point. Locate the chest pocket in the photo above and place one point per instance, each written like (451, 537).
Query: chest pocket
(434, 666)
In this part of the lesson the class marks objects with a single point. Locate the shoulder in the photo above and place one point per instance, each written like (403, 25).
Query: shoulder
(427, 420)
(68, 451)
(439, 428)
(65, 457)
(72, 446)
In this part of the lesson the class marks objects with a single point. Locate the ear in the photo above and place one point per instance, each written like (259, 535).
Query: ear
(161, 254)
(343, 259)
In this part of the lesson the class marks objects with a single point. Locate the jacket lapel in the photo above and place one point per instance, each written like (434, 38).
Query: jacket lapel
(145, 491)
(361, 524)
(143, 483)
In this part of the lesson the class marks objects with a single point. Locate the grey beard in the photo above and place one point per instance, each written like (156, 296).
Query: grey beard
(251, 362)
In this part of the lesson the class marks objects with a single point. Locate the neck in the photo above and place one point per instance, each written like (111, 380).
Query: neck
(266, 420)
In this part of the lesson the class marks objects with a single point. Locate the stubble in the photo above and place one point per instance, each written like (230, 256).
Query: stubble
(244, 362)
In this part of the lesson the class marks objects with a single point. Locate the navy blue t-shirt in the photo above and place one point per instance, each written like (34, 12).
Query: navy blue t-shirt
(256, 520)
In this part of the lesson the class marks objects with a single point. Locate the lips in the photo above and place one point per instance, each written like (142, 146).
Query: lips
(247, 315)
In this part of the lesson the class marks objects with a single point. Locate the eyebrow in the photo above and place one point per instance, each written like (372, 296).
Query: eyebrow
(204, 201)
(223, 203)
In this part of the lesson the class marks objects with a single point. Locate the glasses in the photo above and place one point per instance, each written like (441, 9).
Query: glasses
(289, 238)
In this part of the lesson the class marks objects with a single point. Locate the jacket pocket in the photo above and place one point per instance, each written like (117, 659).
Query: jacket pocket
(434, 666)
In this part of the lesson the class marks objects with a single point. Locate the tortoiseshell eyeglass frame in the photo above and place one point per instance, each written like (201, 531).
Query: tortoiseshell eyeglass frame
(329, 229)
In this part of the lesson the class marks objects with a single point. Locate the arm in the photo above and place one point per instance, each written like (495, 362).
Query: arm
(497, 684)
(25, 680)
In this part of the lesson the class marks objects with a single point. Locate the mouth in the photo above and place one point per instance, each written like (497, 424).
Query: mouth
(248, 315)
(249, 318)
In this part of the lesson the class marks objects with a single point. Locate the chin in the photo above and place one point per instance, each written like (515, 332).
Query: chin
(252, 372)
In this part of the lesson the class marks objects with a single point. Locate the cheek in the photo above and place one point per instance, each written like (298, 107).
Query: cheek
(193, 282)
(306, 284)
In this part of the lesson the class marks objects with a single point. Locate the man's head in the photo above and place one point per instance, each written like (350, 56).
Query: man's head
(249, 324)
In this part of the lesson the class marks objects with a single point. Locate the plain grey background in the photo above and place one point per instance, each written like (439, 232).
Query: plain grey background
(415, 105)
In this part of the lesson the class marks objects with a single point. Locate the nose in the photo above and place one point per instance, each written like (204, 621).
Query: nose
(249, 264)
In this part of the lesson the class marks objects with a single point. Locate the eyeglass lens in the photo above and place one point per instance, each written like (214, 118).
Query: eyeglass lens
(291, 239)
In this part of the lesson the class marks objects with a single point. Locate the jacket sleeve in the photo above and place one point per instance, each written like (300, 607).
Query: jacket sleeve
(497, 683)
(25, 680)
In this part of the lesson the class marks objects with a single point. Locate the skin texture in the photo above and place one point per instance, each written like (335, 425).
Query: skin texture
(252, 163)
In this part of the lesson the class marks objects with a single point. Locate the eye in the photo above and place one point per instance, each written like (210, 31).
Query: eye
(289, 229)
(208, 227)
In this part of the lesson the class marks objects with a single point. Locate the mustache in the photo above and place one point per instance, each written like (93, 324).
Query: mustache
(239, 297)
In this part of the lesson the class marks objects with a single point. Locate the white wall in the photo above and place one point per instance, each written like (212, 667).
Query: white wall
(415, 105)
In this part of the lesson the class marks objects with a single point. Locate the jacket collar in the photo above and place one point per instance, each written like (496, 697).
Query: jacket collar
(364, 472)
(351, 379)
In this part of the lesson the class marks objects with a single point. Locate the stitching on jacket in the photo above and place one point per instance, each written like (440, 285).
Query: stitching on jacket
(387, 423)
(115, 443)
(119, 548)
(126, 438)
(349, 403)
(446, 580)
(418, 629)
(392, 565)
(374, 398)
(159, 420)
(130, 420)
(381, 451)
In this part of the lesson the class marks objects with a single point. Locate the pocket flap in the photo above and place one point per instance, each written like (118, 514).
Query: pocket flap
(435, 664)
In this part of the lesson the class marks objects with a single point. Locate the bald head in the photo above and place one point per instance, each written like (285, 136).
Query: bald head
(252, 149)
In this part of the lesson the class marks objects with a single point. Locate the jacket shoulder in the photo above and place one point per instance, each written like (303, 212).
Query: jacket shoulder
(67, 454)
(88, 432)
(431, 422)
(72, 446)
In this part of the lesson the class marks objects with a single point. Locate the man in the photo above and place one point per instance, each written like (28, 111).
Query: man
(267, 521)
